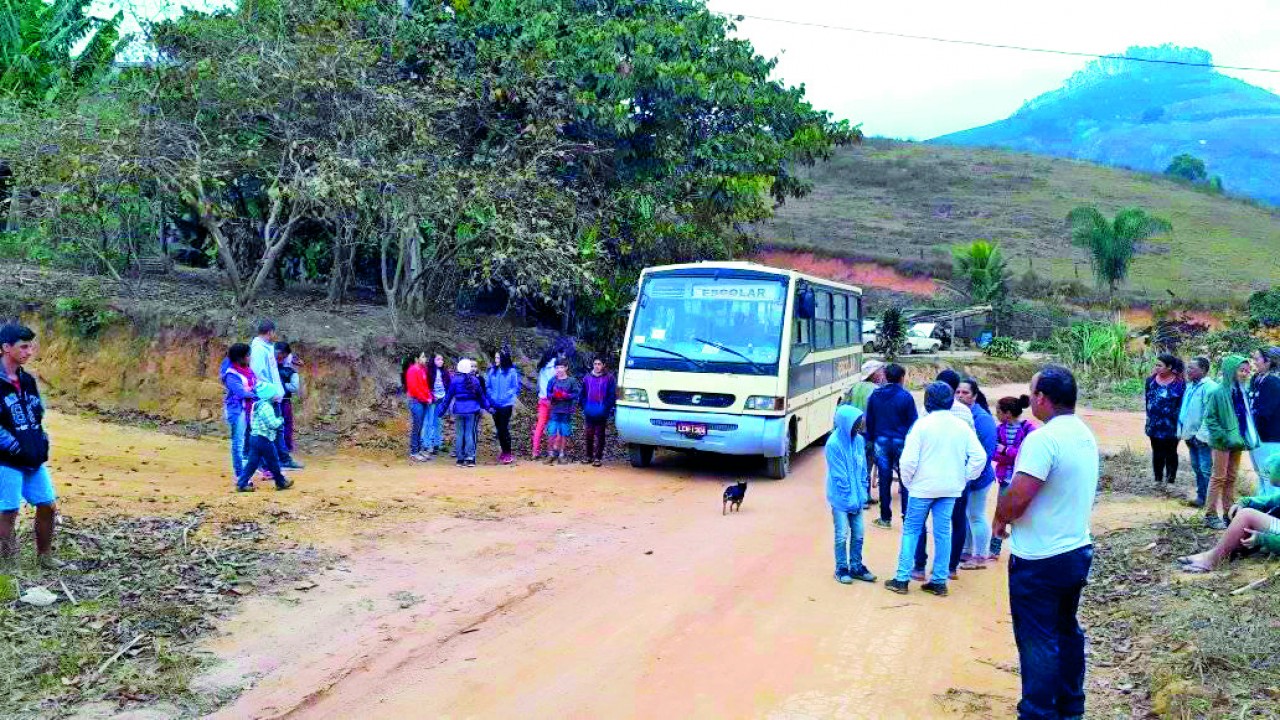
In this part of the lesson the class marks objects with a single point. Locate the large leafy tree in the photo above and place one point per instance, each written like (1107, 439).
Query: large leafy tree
(1187, 167)
(40, 55)
(981, 267)
(1113, 243)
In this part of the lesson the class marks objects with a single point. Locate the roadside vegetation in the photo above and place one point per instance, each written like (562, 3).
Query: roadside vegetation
(123, 627)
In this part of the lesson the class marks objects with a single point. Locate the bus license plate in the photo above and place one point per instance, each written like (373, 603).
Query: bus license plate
(692, 429)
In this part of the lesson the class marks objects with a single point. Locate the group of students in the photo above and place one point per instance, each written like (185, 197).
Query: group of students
(260, 381)
(1218, 420)
(434, 393)
(946, 462)
(890, 432)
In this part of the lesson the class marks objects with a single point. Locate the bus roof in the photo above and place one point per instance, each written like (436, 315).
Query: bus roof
(755, 267)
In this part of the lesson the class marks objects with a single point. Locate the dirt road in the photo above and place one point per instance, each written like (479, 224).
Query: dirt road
(563, 592)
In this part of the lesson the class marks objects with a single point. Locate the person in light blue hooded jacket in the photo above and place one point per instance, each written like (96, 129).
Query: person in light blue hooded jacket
(847, 493)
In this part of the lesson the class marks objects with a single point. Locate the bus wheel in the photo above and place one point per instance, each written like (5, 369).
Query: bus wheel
(777, 467)
(640, 455)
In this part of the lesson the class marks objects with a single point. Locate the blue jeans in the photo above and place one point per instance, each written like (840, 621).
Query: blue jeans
(959, 535)
(417, 415)
(433, 428)
(849, 535)
(888, 452)
(464, 442)
(1044, 596)
(1202, 464)
(239, 436)
(978, 542)
(918, 510)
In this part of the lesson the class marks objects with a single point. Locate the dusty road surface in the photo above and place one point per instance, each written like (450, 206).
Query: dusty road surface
(566, 592)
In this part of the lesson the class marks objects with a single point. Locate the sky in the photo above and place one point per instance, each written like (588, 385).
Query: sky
(918, 90)
(914, 89)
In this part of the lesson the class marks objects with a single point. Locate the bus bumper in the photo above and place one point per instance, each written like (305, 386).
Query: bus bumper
(727, 434)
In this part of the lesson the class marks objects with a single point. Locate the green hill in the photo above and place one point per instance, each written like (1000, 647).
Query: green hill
(906, 204)
(1140, 115)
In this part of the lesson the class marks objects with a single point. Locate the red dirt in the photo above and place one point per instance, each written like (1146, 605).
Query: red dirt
(864, 274)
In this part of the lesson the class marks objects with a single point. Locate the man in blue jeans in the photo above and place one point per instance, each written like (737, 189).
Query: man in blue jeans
(891, 411)
(941, 455)
(1047, 505)
(1191, 424)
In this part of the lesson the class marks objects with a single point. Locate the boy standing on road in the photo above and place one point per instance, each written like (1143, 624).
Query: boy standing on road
(847, 493)
(238, 381)
(563, 391)
(24, 449)
(291, 382)
(599, 395)
(1048, 506)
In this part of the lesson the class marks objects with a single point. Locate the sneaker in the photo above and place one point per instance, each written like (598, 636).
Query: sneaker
(939, 589)
(882, 523)
(863, 574)
(292, 465)
(953, 575)
(48, 562)
(471, 462)
(1214, 522)
(552, 460)
(419, 457)
(898, 586)
(918, 575)
(597, 463)
(976, 562)
(285, 485)
(586, 461)
(246, 488)
(843, 577)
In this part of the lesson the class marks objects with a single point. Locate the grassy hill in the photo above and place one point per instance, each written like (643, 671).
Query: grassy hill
(907, 204)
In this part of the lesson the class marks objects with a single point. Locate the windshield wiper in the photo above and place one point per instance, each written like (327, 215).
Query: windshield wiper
(686, 358)
(756, 366)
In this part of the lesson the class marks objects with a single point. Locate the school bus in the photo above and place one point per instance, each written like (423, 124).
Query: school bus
(736, 358)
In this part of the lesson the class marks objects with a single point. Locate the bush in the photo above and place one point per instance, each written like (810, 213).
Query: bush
(1095, 350)
(88, 311)
(1264, 308)
(1003, 348)
(1230, 341)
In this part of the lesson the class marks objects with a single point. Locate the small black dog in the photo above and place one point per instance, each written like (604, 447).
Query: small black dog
(733, 496)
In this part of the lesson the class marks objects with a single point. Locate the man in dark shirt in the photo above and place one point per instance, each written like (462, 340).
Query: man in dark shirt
(891, 411)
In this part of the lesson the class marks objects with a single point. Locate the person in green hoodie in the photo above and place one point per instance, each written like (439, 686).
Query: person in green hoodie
(1229, 423)
(1254, 526)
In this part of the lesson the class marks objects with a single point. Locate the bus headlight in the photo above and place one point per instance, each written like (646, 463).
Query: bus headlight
(764, 402)
(635, 395)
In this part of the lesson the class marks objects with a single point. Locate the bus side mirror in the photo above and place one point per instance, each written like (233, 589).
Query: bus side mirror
(806, 303)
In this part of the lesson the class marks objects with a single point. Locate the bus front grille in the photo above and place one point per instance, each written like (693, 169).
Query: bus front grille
(720, 427)
(709, 400)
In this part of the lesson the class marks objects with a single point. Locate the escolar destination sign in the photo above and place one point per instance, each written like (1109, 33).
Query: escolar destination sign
(750, 292)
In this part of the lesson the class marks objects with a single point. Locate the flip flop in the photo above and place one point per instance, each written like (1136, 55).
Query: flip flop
(1185, 560)
(1195, 570)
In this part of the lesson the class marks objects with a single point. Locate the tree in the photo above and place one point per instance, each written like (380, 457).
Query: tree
(1113, 243)
(1187, 167)
(38, 42)
(981, 267)
(893, 332)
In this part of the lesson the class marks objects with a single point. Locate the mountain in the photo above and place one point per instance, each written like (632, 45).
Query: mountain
(1140, 115)
(905, 205)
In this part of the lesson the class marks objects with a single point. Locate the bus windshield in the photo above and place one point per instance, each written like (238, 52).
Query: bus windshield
(709, 323)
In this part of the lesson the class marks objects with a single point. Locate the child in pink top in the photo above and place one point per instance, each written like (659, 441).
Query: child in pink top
(1009, 436)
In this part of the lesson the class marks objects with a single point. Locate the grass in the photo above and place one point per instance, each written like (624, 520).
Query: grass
(125, 626)
(1176, 646)
(906, 203)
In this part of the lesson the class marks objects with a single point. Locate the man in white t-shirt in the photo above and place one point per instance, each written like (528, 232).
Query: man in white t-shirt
(1048, 506)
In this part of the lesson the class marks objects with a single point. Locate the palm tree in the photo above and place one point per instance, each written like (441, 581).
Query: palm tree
(41, 58)
(981, 266)
(1112, 243)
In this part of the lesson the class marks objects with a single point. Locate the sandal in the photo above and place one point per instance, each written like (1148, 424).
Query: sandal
(1196, 569)
(973, 565)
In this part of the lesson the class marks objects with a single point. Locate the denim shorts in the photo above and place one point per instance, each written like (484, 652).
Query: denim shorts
(560, 426)
(34, 486)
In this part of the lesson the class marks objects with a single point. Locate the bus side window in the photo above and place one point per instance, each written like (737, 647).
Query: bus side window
(801, 334)
(840, 326)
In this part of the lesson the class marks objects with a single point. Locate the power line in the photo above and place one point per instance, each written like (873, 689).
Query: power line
(998, 46)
